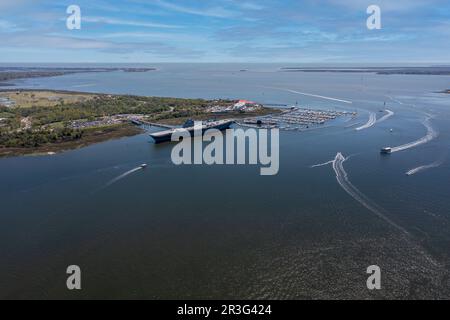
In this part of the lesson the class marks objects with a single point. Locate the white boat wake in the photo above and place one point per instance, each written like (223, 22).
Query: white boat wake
(84, 85)
(122, 176)
(312, 95)
(322, 164)
(317, 96)
(387, 116)
(344, 182)
(414, 106)
(353, 125)
(431, 135)
(372, 120)
(425, 167)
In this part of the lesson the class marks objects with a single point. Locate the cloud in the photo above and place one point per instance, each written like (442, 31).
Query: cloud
(44, 41)
(388, 5)
(110, 47)
(226, 30)
(161, 36)
(271, 33)
(8, 5)
(215, 12)
(250, 6)
(132, 9)
(246, 5)
(132, 23)
(7, 27)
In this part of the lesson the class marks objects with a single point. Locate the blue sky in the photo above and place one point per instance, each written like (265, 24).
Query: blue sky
(305, 31)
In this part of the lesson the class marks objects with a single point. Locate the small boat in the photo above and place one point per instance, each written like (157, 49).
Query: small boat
(143, 166)
(386, 150)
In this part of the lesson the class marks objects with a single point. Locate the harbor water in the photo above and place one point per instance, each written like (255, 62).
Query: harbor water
(213, 232)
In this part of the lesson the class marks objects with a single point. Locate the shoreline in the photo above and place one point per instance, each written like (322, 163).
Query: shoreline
(436, 71)
(9, 75)
(97, 136)
(38, 122)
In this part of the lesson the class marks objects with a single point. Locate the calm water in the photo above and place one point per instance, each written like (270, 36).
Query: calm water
(226, 231)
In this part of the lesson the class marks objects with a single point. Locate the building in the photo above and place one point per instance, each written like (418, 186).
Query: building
(246, 105)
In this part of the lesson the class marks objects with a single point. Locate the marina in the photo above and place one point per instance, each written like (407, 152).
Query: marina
(296, 118)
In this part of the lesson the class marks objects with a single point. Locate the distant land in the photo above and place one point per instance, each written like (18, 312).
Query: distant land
(441, 70)
(14, 73)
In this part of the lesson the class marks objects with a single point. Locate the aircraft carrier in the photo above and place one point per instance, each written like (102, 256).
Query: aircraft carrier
(165, 136)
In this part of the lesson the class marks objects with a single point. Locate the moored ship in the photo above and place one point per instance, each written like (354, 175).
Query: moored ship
(166, 135)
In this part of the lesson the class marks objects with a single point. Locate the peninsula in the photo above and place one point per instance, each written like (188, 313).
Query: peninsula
(44, 121)
(433, 70)
(8, 74)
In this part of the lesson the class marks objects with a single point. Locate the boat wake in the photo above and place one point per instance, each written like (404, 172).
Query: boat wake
(312, 95)
(372, 120)
(122, 176)
(431, 135)
(84, 85)
(356, 194)
(352, 125)
(317, 96)
(387, 116)
(322, 164)
(414, 106)
(344, 182)
(425, 167)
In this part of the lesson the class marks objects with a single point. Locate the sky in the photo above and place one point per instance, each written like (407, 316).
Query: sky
(297, 31)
